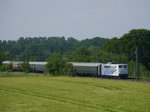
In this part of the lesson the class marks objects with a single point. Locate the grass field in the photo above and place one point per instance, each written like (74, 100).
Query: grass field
(72, 94)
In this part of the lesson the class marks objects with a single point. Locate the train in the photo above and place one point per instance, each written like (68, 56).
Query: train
(109, 69)
(34, 65)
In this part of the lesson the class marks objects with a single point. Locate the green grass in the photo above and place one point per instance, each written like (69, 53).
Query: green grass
(19, 74)
(72, 94)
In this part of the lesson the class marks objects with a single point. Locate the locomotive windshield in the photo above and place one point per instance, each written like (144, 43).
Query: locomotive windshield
(125, 66)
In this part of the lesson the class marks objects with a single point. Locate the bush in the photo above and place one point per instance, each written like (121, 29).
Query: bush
(1, 57)
(68, 70)
(143, 72)
(57, 66)
(25, 67)
(6, 68)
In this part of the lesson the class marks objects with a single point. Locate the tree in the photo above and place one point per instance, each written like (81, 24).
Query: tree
(6, 67)
(96, 41)
(39, 48)
(57, 66)
(127, 44)
(25, 67)
(80, 54)
(1, 58)
(68, 70)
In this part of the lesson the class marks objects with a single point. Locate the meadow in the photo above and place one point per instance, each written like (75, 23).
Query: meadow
(30, 93)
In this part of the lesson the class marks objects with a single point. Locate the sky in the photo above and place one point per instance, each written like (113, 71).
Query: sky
(72, 18)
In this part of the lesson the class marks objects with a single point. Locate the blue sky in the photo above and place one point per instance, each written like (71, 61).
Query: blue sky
(72, 18)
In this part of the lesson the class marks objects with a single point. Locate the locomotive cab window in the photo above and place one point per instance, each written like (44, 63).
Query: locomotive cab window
(125, 66)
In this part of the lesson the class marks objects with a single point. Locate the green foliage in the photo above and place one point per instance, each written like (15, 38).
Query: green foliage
(68, 70)
(6, 67)
(144, 73)
(104, 56)
(57, 66)
(131, 69)
(80, 54)
(127, 44)
(95, 54)
(1, 57)
(80, 51)
(39, 48)
(113, 46)
(25, 67)
(97, 41)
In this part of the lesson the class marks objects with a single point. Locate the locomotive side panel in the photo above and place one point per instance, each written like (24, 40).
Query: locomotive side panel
(109, 70)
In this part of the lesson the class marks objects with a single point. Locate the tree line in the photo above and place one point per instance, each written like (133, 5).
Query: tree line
(39, 48)
(97, 49)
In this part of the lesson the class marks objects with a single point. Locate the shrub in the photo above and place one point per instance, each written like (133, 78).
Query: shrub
(57, 66)
(25, 67)
(68, 70)
(6, 67)
(143, 72)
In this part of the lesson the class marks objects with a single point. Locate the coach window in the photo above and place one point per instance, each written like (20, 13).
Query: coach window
(120, 66)
(106, 66)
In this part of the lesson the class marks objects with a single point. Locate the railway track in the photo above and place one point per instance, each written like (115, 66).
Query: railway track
(137, 80)
(127, 79)
(131, 79)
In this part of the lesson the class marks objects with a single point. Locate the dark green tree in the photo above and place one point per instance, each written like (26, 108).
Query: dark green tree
(39, 48)
(80, 54)
(1, 58)
(6, 67)
(57, 66)
(68, 69)
(127, 44)
(25, 67)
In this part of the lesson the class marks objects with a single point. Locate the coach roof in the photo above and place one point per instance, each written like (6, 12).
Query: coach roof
(84, 64)
(37, 63)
